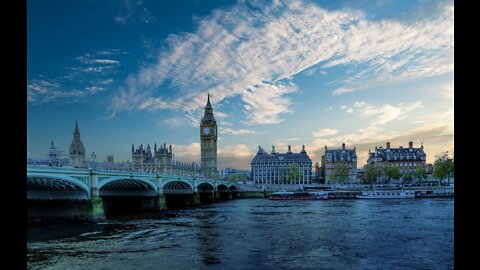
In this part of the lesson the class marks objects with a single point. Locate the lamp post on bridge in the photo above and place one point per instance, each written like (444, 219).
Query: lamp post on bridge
(93, 160)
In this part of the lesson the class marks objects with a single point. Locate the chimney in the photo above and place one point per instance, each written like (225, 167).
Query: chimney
(410, 144)
(343, 145)
(273, 149)
(388, 145)
(289, 149)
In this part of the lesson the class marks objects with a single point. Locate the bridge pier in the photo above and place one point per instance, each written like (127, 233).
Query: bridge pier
(196, 198)
(96, 203)
(161, 202)
(97, 210)
(216, 196)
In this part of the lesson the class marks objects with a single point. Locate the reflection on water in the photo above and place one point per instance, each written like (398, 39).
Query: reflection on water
(258, 234)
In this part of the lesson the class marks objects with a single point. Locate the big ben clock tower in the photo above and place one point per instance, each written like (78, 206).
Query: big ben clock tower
(208, 138)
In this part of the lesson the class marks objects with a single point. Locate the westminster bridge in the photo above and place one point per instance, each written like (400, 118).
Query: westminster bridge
(89, 194)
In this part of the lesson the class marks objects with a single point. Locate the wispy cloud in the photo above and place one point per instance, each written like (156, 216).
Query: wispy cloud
(237, 132)
(329, 109)
(107, 81)
(43, 90)
(254, 50)
(386, 113)
(86, 77)
(325, 132)
(89, 60)
(132, 12)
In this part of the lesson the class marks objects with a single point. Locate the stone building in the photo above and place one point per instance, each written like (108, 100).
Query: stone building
(274, 168)
(335, 157)
(160, 161)
(406, 159)
(77, 150)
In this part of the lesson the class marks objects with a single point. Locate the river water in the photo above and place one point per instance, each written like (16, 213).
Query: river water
(258, 234)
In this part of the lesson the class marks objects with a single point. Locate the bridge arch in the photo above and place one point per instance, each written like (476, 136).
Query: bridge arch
(222, 188)
(126, 186)
(205, 187)
(42, 186)
(177, 187)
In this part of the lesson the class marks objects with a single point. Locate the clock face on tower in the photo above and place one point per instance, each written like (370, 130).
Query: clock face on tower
(206, 131)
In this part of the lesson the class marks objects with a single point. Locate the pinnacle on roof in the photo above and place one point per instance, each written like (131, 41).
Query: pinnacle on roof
(208, 102)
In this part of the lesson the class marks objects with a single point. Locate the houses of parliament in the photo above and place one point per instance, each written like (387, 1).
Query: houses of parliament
(162, 158)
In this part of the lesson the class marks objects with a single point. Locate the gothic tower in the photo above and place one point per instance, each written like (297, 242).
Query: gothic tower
(77, 150)
(208, 138)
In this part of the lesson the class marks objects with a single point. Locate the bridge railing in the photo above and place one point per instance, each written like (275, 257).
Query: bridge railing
(53, 169)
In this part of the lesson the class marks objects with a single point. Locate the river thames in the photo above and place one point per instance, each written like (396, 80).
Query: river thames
(258, 234)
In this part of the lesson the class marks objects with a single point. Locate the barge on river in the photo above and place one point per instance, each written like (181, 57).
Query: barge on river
(383, 194)
(299, 196)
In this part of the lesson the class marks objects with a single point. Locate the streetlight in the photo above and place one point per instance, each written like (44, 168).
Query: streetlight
(93, 160)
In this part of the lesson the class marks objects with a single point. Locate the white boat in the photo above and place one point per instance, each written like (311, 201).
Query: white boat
(386, 194)
(299, 196)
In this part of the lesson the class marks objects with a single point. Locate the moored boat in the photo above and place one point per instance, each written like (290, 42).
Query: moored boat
(385, 194)
(299, 196)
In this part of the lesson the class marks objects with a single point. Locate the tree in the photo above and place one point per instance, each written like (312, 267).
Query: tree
(294, 174)
(393, 172)
(236, 177)
(389, 172)
(443, 167)
(371, 174)
(339, 173)
(420, 172)
(406, 177)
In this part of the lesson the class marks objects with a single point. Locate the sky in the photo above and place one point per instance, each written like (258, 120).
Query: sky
(307, 72)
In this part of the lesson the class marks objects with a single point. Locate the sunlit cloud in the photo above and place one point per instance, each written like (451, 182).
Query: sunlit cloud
(237, 132)
(254, 50)
(325, 132)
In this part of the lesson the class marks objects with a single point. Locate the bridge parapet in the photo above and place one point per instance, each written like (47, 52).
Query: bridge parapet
(51, 169)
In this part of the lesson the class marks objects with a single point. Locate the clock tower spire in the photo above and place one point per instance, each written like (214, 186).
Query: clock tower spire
(208, 138)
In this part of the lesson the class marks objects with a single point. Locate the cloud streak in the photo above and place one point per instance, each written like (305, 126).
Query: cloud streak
(253, 50)
(325, 132)
(87, 77)
(237, 132)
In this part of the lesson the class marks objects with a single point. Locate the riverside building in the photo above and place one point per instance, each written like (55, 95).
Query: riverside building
(332, 157)
(406, 159)
(277, 168)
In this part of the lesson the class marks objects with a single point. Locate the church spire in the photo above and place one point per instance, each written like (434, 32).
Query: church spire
(76, 132)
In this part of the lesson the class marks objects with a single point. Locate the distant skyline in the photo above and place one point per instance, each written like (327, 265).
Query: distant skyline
(280, 73)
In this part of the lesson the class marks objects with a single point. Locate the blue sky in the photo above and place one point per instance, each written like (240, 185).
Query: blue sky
(279, 73)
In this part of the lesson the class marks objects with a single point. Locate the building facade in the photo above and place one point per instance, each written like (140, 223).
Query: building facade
(276, 168)
(406, 159)
(333, 158)
(77, 150)
(160, 161)
(208, 143)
